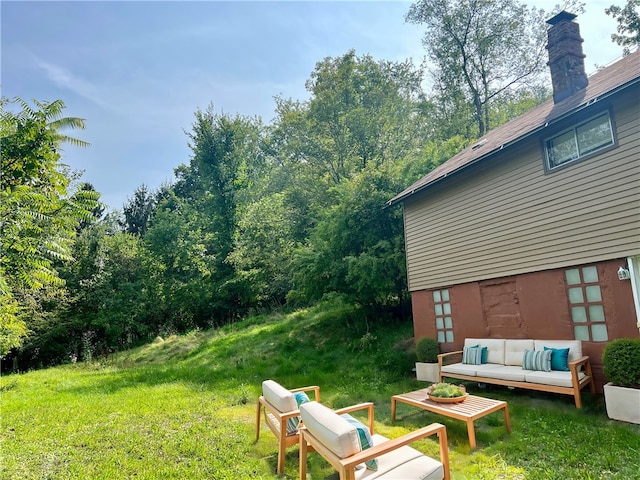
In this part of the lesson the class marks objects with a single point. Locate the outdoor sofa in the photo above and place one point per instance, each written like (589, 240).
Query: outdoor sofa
(556, 366)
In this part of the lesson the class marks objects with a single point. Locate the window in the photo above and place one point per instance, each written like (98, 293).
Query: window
(580, 141)
(585, 302)
(444, 322)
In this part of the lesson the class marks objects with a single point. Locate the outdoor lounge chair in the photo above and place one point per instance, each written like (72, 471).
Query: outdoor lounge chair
(339, 441)
(281, 414)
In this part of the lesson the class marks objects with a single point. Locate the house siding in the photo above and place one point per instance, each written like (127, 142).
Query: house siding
(505, 216)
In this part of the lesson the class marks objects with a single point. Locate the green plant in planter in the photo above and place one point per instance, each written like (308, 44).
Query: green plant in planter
(427, 350)
(446, 390)
(621, 362)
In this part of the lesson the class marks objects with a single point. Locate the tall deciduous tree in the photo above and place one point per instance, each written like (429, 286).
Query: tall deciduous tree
(481, 50)
(362, 113)
(628, 18)
(39, 215)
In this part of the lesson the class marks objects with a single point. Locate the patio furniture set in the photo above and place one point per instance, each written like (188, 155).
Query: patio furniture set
(358, 453)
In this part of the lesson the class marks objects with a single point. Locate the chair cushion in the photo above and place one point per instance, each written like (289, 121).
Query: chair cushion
(333, 431)
(365, 439)
(559, 358)
(403, 463)
(278, 396)
(537, 360)
(283, 400)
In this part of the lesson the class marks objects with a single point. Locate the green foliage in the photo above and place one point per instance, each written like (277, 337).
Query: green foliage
(39, 211)
(446, 390)
(481, 50)
(427, 350)
(13, 330)
(628, 18)
(138, 211)
(621, 361)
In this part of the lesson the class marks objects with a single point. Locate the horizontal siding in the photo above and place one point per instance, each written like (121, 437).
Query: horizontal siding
(506, 216)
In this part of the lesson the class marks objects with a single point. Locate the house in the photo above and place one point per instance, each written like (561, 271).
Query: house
(534, 231)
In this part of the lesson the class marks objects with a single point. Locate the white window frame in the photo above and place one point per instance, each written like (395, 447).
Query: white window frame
(634, 270)
(574, 130)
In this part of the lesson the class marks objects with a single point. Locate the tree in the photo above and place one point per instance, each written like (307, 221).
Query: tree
(361, 113)
(628, 18)
(138, 211)
(96, 212)
(481, 50)
(39, 216)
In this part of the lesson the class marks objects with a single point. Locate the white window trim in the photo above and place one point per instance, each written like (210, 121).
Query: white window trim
(547, 161)
(634, 271)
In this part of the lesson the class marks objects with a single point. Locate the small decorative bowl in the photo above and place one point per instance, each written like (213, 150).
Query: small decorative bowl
(459, 399)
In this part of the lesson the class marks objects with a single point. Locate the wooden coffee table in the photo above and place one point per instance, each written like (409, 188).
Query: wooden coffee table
(468, 411)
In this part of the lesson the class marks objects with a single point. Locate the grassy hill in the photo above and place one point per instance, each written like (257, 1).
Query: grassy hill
(184, 407)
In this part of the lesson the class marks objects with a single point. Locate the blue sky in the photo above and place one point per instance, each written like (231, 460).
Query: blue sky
(137, 71)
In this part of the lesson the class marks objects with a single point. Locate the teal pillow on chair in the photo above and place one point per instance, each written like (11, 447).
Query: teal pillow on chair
(485, 354)
(294, 422)
(559, 359)
(365, 439)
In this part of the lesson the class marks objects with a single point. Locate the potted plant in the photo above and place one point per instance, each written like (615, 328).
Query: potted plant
(621, 366)
(427, 350)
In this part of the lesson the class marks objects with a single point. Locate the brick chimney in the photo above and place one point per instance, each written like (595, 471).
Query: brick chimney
(566, 59)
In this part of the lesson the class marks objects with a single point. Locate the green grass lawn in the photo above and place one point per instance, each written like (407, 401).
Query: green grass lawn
(184, 408)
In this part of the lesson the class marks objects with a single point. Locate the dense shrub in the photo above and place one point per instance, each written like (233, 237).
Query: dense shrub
(427, 350)
(621, 362)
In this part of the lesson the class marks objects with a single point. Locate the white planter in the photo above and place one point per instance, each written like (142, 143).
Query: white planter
(623, 403)
(427, 372)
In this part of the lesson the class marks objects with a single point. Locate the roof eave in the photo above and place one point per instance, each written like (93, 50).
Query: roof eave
(408, 193)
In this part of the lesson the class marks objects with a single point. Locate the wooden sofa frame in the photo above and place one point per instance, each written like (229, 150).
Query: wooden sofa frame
(574, 368)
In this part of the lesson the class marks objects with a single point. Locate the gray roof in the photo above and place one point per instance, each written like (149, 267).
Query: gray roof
(602, 84)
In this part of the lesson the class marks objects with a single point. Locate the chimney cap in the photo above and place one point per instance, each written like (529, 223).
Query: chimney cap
(561, 17)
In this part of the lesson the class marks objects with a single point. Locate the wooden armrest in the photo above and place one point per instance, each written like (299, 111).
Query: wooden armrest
(275, 412)
(360, 406)
(442, 356)
(313, 388)
(394, 444)
(579, 362)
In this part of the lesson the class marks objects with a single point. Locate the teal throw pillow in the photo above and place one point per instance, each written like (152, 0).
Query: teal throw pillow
(294, 422)
(365, 439)
(472, 355)
(537, 360)
(485, 354)
(559, 359)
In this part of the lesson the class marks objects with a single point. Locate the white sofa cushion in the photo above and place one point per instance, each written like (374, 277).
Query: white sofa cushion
(554, 377)
(506, 372)
(402, 463)
(333, 431)
(574, 346)
(495, 348)
(514, 349)
(471, 370)
(278, 396)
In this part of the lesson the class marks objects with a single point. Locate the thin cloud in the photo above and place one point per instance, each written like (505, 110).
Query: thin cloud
(64, 79)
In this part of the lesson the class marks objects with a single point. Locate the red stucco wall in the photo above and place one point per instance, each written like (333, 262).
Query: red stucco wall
(533, 305)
